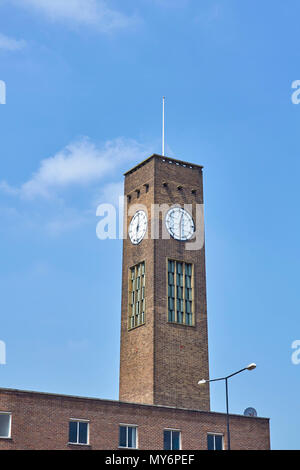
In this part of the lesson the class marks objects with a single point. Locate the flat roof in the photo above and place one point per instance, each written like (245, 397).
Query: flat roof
(164, 158)
(107, 400)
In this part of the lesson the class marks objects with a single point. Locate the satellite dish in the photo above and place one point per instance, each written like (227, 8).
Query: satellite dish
(250, 412)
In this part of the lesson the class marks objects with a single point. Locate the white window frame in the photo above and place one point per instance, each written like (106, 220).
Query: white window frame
(180, 437)
(10, 420)
(77, 420)
(216, 434)
(136, 435)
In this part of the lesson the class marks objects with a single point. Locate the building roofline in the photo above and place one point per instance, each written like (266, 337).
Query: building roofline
(107, 400)
(164, 158)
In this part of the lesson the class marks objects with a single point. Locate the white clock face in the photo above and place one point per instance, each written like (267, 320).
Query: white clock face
(180, 224)
(138, 227)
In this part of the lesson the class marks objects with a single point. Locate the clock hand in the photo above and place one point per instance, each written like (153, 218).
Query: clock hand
(181, 225)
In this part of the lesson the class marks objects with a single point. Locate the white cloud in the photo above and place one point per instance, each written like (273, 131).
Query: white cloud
(110, 193)
(79, 163)
(53, 219)
(11, 44)
(81, 12)
(43, 204)
(6, 188)
(169, 3)
(67, 220)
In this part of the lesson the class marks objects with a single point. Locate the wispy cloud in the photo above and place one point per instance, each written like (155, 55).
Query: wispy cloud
(95, 13)
(7, 189)
(169, 3)
(79, 163)
(67, 220)
(53, 219)
(52, 200)
(11, 44)
(110, 193)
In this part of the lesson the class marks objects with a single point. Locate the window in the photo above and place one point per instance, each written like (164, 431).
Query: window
(136, 295)
(5, 424)
(172, 439)
(128, 436)
(180, 292)
(214, 442)
(78, 432)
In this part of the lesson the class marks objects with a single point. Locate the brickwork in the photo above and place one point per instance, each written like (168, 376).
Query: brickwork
(137, 345)
(41, 421)
(161, 362)
(181, 352)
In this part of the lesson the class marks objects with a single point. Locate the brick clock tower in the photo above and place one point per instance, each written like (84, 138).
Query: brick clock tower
(164, 346)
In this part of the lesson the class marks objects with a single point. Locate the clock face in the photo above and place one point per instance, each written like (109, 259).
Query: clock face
(180, 224)
(138, 227)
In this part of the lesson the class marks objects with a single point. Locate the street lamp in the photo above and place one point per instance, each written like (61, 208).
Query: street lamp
(203, 381)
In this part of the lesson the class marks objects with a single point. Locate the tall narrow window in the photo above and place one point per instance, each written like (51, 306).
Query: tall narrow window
(136, 295)
(180, 292)
(171, 290)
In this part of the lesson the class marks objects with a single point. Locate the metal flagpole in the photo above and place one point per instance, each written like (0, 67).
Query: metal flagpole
(163, 128)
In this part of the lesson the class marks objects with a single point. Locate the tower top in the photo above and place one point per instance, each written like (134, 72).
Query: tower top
(164, 159)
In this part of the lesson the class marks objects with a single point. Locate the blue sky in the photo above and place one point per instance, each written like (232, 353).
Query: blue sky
(84, 88)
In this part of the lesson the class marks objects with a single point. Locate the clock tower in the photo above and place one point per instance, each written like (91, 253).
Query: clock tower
(164, 346)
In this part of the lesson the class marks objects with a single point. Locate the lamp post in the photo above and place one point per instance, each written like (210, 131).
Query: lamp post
(203, 381)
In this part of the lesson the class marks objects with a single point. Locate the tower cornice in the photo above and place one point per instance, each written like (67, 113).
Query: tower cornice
(165, 159)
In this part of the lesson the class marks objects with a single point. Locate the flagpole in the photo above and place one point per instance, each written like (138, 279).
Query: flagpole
(163, 128)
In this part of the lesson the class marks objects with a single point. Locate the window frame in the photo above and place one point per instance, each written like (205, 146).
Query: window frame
(8, 413)
(129, 292)
(176, 322)
(180, 437)
(135, 426)
(78, 421)
(214, 434)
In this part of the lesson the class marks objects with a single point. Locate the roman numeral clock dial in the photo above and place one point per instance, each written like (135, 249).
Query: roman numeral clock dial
(180, 224)
(138, 227)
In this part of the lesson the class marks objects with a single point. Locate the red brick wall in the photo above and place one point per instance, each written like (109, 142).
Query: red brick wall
(137, 345)
(181, 352)
(162, 362)
(41, 421)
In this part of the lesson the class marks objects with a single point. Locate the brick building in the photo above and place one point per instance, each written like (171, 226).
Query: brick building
(164, 345)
